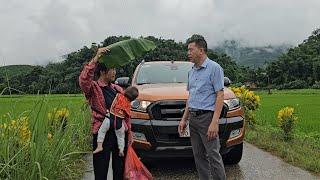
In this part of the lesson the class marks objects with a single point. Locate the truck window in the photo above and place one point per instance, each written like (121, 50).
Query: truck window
(163, 73)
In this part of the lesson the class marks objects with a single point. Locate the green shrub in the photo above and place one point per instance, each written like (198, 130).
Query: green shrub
(287, 121)
(250, 103)
(316, 85)
(297, 84)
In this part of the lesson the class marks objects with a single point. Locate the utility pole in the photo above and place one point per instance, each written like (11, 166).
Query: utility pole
(268, 84)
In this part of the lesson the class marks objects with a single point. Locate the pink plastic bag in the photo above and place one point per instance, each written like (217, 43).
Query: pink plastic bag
(134, 168)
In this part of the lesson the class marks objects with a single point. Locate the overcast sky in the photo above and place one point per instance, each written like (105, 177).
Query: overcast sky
(38, 31)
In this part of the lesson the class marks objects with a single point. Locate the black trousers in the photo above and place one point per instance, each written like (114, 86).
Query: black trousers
(101, 159)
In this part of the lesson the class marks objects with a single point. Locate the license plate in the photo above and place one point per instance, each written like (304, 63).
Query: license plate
(186, 132)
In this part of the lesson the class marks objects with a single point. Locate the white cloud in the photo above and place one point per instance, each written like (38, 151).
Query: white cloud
(42, 30)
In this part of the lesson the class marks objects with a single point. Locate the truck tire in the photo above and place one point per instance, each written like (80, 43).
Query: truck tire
(234, 155)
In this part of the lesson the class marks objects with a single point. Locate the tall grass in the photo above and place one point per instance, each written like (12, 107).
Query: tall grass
(31, 148)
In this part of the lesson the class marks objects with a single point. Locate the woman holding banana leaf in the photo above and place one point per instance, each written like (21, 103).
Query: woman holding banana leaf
(100, 91)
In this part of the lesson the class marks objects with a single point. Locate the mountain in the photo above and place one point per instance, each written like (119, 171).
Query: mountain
(253, 57)
(14, 70)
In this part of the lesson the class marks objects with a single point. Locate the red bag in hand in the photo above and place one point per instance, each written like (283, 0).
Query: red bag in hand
(134, 169)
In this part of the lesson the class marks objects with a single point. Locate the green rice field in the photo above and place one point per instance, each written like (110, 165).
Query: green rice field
(306, 104)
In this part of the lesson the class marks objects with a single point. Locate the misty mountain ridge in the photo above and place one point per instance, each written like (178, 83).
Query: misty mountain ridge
(252, 56)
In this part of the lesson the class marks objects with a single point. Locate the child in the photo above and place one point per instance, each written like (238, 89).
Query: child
(119, 110)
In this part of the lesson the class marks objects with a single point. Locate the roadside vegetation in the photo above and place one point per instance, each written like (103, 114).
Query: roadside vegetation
(287, 125)
(43, 137)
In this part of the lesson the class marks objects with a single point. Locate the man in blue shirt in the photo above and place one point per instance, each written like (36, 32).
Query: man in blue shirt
(203, 108)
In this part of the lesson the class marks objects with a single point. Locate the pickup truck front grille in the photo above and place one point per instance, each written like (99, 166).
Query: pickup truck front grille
(172, 110)
(167, 110)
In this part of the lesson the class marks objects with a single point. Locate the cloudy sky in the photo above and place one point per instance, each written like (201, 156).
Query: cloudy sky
(38, 31)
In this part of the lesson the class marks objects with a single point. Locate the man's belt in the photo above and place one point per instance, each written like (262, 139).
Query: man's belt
(198, 112)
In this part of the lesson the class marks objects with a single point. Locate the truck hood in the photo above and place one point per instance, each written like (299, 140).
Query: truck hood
(155, 92)
(170, 91)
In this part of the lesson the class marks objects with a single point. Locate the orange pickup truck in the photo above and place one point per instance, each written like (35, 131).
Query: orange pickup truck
(159, 108)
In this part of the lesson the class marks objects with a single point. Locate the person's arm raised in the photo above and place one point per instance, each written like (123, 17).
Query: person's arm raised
(87, 74)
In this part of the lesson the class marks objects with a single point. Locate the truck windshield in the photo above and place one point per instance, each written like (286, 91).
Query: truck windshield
(163, 73)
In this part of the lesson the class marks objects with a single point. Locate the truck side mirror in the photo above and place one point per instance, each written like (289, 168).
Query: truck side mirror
(122, 81)
(227, 81)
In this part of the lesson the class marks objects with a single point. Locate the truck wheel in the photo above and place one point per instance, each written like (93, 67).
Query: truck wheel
(234, 155)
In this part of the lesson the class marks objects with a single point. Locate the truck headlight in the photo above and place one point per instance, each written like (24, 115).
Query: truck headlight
(139, 136)
(232, 103)
(137, 105)
(234, 133)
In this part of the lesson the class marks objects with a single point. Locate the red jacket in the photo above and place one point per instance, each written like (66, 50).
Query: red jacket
(121, 106)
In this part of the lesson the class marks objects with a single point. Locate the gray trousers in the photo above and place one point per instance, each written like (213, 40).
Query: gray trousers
(206, 153)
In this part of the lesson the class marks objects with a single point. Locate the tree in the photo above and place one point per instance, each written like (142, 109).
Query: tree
(300, 64)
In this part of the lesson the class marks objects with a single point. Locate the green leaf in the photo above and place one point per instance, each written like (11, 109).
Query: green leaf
(121, 53)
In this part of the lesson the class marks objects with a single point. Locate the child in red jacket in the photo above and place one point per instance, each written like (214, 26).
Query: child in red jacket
(119, 110)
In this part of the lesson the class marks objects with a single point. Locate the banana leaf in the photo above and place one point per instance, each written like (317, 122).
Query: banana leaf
(122, 52)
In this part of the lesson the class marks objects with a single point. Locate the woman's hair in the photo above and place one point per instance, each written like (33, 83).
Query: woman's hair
(131, 93)
(100, 68)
